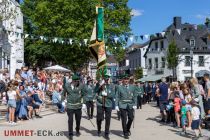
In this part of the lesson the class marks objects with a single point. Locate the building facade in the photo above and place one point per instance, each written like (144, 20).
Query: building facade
(134, 59)
(11, 41)
(112, 67)
(194, 48)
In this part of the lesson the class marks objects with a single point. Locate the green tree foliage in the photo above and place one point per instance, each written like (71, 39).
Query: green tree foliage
(72, 19)
(138, 74)
(172, 57)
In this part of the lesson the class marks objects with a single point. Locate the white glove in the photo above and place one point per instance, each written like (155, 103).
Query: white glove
(63, 104)
(104, 93)
(102, 82)
(134, 107)
(117, 108)
(84, 107)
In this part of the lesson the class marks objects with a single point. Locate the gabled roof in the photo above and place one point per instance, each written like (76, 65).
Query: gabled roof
(110, 59)
(135, 46)
(188, 31)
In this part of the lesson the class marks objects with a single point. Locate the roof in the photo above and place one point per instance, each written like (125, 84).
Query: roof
(188, 31)
(110, 59)
(135, 46)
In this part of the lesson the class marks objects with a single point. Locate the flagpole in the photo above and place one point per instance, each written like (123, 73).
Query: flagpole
(101, 2)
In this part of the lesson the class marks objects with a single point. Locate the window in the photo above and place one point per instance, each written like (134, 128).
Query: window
(156, 46)
(187, 61)
(163, 62)
(136, 63)
(192, 42)
(156, 62)
(133, 63)
(187, 78)
(150, 63)
(139, 61)
(201, 61)
(161, 45)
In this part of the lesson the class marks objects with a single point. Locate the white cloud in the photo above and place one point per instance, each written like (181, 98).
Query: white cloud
(136, 12)
(201, 16)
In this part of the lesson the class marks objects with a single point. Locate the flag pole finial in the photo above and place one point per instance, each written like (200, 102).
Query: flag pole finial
(100, 2)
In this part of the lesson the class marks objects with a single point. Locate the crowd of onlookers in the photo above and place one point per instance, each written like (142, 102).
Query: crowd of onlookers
(185, 105)
(29, 92)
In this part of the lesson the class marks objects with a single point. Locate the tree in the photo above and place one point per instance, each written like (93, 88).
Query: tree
(172, 57)
(72, 19)
(138, 74)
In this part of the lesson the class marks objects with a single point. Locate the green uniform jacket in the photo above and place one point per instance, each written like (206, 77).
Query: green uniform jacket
(126, 97)
(90, 96)
(106, 101)
(139, 91)
(75, 97)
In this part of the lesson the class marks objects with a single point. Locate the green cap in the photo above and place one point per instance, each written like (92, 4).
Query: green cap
(75, 77)
(107, 75)
(125, 76)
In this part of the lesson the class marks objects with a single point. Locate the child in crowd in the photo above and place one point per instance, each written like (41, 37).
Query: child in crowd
(12, 95)
(184, 116)
(195, 118)
(177, 107)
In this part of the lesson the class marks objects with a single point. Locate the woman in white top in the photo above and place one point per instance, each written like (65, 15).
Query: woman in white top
(187, 98)
(11, 93)
(197, 95)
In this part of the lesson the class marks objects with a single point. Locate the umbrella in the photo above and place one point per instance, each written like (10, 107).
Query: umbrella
(57, 68)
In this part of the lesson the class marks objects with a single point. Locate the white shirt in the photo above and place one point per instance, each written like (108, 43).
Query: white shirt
(195, 113)
(11, 94)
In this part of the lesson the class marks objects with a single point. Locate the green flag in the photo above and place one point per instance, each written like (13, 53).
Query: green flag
(97, 47)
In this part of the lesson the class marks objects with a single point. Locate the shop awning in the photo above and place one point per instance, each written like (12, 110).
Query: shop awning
(201, 73)
(153, 78)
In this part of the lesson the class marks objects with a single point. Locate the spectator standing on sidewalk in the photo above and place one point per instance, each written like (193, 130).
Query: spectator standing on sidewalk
(163, 99)
(12, 95)
(207, 91)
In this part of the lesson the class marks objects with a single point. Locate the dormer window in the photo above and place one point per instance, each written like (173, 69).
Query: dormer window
(192, 42)
(156, 46)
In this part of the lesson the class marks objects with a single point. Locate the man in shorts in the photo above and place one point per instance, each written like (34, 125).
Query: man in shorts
(162, 92)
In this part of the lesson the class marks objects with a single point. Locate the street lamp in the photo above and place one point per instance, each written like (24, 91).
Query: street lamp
(191, 62)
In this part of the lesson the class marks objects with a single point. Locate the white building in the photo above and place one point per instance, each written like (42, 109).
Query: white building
(188, 38)
(11, 43)
(112, 67)
(135, 58)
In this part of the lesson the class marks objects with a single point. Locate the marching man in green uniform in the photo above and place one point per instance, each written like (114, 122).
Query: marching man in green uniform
(75, 94)
(117, 86)
(126, 102)
(104, 98)
(140, 93)
(90, 97)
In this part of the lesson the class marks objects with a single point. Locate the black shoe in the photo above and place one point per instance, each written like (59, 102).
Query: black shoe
(107, 137)
(70, 137)
(162, 121)
(37, 116)
(78, 133)
(129, 133)
(91, 117)
(126, 137)
(99, 133)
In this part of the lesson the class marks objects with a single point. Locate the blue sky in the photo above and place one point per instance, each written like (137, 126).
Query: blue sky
(153, 16)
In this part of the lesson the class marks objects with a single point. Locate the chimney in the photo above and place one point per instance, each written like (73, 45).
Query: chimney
(177, 22)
